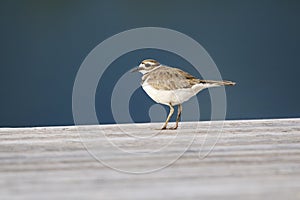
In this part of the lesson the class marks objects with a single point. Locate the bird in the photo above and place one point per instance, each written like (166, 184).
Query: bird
(172, 86)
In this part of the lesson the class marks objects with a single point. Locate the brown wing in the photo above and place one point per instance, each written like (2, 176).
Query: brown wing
(167, 78)
(193, 81)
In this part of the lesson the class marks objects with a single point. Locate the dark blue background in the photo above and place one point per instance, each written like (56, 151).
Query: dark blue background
(43, 43)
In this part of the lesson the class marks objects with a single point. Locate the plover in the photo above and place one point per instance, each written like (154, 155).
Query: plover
(172, 86)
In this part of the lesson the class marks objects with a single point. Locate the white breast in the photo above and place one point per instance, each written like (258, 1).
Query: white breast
(174, 97)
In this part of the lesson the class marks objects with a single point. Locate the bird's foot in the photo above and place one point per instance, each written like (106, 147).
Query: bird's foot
(171, 128)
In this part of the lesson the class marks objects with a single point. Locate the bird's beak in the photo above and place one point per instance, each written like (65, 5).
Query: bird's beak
(136, 69)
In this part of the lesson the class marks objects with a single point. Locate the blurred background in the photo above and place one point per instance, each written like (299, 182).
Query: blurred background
(43, 43)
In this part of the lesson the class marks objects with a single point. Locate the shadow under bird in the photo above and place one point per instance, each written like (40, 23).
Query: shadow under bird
(172, 86)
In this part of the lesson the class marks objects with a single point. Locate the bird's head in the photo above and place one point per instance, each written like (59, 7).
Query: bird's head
(146, 66)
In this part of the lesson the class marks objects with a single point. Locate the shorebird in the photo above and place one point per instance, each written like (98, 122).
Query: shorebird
(172, 86)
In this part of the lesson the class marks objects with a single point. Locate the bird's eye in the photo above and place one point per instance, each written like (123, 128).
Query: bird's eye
(147, 65)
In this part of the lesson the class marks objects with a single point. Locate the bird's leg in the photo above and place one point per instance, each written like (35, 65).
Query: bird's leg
(169, 116)
(178, 115)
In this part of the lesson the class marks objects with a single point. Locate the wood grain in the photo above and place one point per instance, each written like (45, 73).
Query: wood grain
(252, 159)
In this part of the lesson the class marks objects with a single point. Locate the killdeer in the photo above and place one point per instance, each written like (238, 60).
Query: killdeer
(172, 86)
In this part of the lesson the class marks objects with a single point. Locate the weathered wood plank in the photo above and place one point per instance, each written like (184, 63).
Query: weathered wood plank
(253, 159)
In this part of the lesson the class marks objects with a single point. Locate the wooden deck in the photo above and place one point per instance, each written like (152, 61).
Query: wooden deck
(255, 159)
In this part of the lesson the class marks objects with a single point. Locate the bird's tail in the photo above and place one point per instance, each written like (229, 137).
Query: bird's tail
(217, 83)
